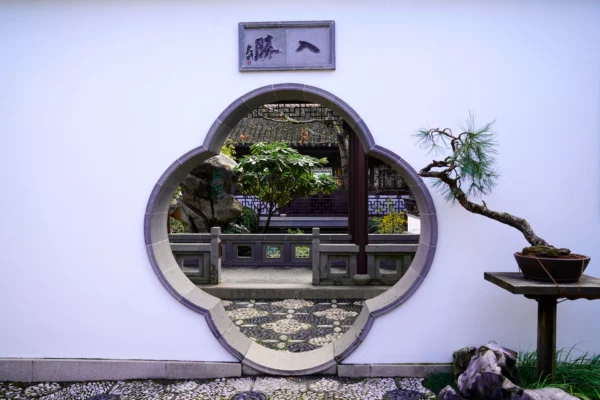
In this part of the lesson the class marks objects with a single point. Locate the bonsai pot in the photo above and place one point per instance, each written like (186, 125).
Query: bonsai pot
(567, 269)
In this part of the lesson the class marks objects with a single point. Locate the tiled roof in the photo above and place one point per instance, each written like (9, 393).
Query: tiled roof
(271, 123)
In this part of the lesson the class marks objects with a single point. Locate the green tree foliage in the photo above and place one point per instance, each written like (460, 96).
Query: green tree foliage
(176, 226)
(248, 220)
(471, 161)
(468, 170)
(275, 175)
(228, 148)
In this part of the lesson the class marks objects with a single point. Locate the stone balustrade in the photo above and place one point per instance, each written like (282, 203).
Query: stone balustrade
(388, 262)
(331, 256)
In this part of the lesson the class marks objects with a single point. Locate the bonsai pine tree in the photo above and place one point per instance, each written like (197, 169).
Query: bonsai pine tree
(275, 175)
(467, 171)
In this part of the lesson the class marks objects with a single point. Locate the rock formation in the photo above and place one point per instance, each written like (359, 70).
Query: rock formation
(490, 373)
(206, 199)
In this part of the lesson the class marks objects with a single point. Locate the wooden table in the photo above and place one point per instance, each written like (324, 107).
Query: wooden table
(546, 294)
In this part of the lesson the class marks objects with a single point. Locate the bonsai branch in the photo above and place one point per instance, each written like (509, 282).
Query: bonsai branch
(471, 163)
(518, 223)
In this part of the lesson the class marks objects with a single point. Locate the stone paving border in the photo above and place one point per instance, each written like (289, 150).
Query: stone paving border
(251, 354)
(316, 387)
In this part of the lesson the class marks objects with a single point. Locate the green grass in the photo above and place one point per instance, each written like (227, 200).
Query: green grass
(436, 382)
(578, 376)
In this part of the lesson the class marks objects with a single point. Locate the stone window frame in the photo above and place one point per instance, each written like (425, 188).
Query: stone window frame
(252, 354)
(237, 251)
(295, 257)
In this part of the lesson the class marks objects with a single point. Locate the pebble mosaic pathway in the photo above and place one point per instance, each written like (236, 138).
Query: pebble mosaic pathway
(250, 388)
(293, 325)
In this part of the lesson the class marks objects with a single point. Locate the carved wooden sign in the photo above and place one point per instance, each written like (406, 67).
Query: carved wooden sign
(284, 46)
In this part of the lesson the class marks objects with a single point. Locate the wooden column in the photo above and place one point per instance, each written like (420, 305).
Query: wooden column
(358, 198)
(349, 179)
(546, 342)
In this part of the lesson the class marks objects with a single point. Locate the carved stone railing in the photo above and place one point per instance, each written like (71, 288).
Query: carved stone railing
(201, 262)
(387, 263)
(331, 256)
(256, 250)
(333, 263)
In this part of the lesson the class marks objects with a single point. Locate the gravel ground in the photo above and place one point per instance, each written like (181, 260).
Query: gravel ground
(250, 388)
(293, 325)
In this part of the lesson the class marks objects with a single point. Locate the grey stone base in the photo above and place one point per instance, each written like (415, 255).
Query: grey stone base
(70, 370)
(249, 371)
(391, 370)
(61, 370)
(235, 291)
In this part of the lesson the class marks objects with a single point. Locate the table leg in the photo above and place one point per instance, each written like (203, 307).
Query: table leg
(546, 342)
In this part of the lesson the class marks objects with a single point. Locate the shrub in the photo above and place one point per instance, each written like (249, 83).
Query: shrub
(248, 219)
(176, 225)
(229, 148)
(436, 382)
(235, 228)
(392, 221)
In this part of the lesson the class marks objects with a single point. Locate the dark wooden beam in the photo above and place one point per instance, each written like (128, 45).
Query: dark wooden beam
(359, 196)
(351, 173)
(546, 342)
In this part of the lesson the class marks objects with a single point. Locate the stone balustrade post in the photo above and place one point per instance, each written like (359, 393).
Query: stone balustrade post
(316, 242)
(215, 255)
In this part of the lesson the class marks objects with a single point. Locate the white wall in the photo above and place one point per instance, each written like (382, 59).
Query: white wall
(97, 98)
(414, 224)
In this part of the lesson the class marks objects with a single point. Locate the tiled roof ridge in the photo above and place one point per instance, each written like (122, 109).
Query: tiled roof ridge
(317, 131)
(276, 105)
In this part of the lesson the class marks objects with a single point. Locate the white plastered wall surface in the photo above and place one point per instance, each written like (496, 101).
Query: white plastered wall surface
(97, 99)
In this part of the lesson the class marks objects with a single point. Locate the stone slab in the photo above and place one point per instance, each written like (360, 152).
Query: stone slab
(391, 248)
(515, 283)
(338, 248)
(408, 370)
(291, 291)
(202, 370)
(391, 370)
(249, 371)
(61, 370)
(16, 369)
(285, 363)
(354, 370)
(70, 370)
(190, 247)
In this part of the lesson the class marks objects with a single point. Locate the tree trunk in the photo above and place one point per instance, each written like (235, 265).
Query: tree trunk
(344, 149)
(268, 221)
